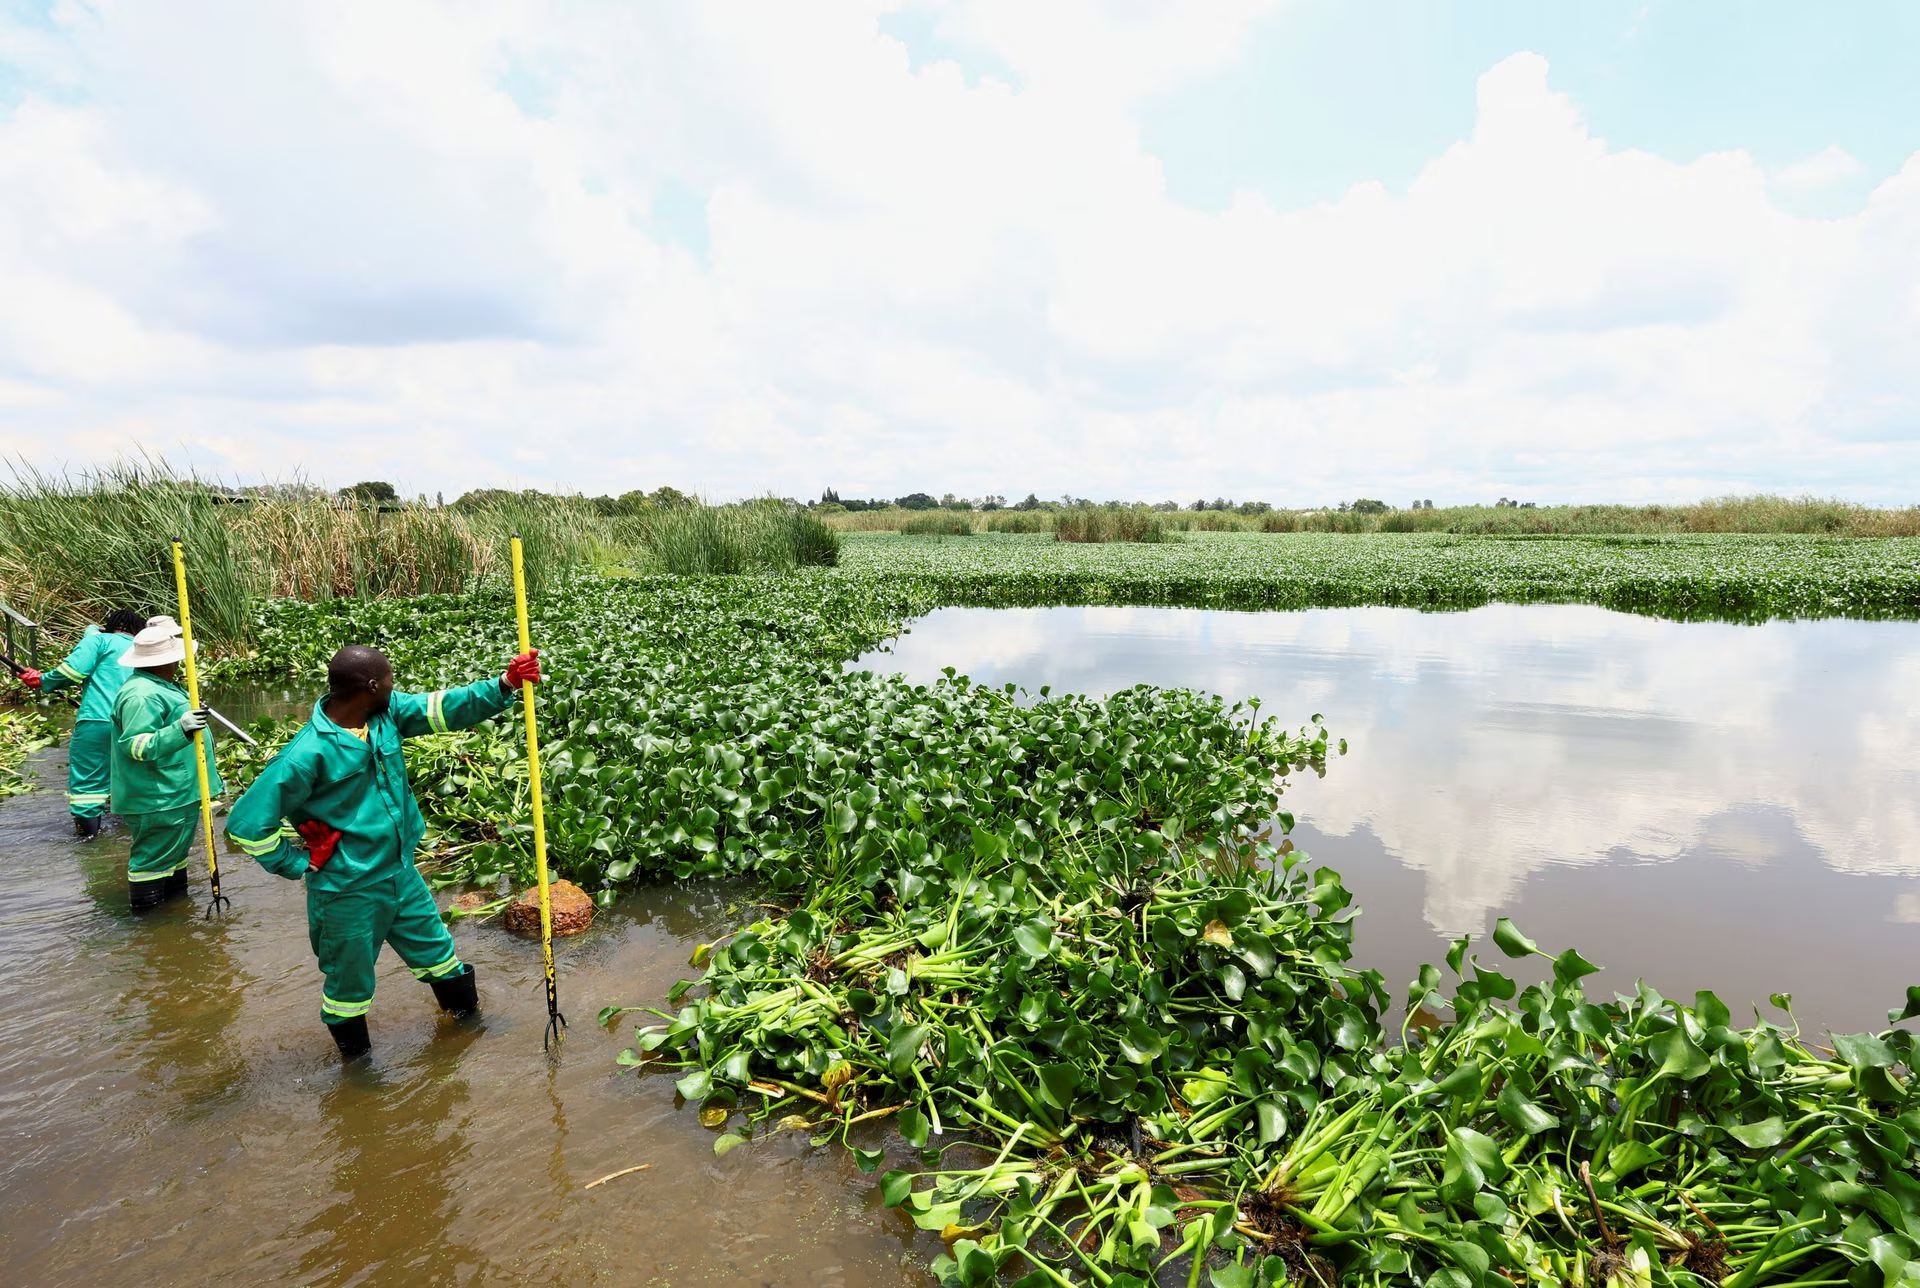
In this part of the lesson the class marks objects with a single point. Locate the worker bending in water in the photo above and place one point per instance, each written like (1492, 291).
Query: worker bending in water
(342, 784)
(156, 788)
(94, 668)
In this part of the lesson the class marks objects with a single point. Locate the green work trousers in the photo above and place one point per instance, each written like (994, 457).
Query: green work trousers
(89, 761)
(160, 842)
(348, 927)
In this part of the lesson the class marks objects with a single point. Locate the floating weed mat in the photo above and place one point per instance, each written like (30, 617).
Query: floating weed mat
(1040, 940)
(1729, 577)
(1126, 1061)
(23, 731)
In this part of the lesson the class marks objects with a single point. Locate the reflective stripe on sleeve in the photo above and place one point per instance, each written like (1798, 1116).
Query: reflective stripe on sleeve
(78, 677)
(137, 748)
(437, 712)
(256, 848)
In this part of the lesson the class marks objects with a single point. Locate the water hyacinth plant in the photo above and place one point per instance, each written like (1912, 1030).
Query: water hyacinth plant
(1732, 578)
(23, 731)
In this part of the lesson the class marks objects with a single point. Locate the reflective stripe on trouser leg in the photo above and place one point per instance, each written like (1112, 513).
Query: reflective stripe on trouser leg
(419, 934)
(160, 842)
(89, 768)
(346, 929)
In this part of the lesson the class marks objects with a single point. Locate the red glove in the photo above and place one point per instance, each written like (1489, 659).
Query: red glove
(523, 669)
(30, 678)
(320, 841)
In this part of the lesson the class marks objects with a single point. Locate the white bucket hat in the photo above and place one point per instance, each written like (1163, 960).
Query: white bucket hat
(155, 646)
(163, 621)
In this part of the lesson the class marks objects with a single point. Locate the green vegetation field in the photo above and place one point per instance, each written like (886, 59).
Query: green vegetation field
(1050, 948)
(1734, 576)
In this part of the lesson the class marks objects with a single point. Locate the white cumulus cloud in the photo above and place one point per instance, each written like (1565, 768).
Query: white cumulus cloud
(755, 247)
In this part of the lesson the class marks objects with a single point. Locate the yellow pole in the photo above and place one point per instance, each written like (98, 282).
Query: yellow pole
(556, 1022)
(200, 737)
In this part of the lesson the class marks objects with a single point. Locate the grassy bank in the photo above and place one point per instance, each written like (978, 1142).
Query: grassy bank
(1046, 949)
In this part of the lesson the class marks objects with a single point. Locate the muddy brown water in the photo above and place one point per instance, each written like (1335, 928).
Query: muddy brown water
(171, 1111)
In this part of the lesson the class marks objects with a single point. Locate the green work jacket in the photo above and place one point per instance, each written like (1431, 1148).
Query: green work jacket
(93, 666)
(358, 787)
(152, 760)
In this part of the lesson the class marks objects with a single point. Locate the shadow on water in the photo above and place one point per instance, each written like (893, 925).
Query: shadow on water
(171, 1111)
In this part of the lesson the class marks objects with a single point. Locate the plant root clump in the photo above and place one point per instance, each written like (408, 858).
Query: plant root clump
(572, 910)
(1706, 1258)
(820, 964)
(1266, 1214)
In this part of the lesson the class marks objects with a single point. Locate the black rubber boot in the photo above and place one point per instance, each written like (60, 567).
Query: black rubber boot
(142, 896)
(176, 885)
(86, 828)
(351, 1037)
(458, 996)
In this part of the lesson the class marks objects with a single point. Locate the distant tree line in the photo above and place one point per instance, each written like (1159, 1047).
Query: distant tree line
(640, 501)
(831, 500)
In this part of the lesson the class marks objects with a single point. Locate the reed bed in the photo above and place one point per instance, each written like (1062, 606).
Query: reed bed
(74, 546)
(761, 536)
(1092, 525)
(939, 523)
(1026, 521)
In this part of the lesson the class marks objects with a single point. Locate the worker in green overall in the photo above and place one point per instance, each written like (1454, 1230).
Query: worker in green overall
(94, 668)
(342, 785)
(156, 788)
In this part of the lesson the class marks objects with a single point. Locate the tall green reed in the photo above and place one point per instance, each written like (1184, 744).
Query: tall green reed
(1110, 523)
(757, 536)
(73, 547)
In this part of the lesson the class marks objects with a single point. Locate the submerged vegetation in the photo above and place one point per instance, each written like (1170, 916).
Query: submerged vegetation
(1048, 943)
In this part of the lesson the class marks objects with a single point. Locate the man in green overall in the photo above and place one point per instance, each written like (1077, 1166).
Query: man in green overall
(342, 783)
(94, 668)
(156, 788)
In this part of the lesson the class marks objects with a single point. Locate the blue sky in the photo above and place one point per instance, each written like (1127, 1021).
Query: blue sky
(1325, 95)
(1292, 249)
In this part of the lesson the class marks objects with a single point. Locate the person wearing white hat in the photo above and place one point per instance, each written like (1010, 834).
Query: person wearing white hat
(156, 788)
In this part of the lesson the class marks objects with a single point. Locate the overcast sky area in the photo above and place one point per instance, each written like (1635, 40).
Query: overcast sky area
(1288, 250)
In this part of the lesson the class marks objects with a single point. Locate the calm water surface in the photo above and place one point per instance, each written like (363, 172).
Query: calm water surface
(1702, 805)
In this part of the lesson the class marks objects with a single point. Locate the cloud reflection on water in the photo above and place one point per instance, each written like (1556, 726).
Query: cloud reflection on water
(1492, 748)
